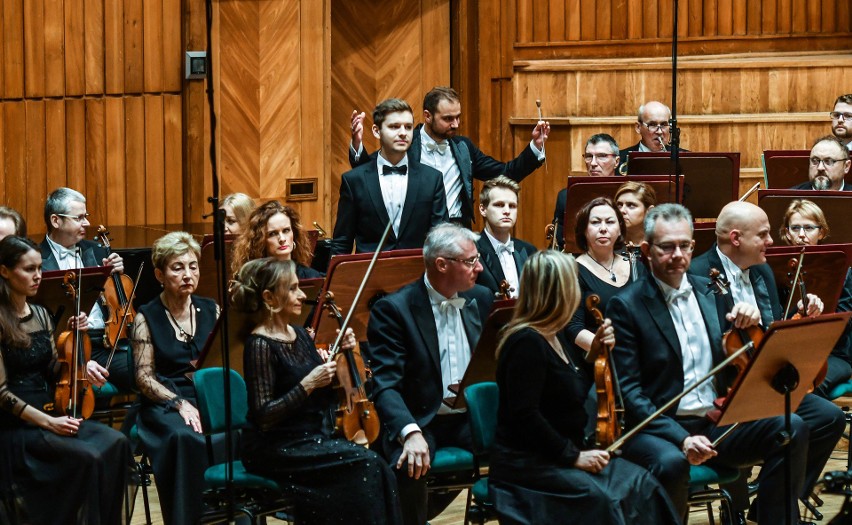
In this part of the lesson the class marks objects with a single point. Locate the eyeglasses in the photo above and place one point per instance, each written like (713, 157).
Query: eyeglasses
(599, 156)
(470, 263)
(836, 115)
(668, 248)
(807, 228)
(79, 218)
(654, 126)
(828, 162)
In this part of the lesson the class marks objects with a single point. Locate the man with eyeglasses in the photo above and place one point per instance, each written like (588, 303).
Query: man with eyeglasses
(652, 125)
(668, 336)
(65, 247)
(742, 237)
(602, 158)
(420, 341)
(829, 164)
(841, 120)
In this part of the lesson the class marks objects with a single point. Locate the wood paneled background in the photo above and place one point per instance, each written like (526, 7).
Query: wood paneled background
(92, 93)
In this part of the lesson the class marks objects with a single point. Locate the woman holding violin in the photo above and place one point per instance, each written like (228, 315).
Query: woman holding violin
(290, 406)
(540, 469)
(169, 332)
(805, 225)
(53, 468)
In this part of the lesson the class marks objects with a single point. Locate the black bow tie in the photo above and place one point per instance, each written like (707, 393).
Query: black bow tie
(402, 170)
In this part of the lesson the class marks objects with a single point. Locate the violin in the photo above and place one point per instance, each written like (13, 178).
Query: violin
(550, 236)
(609, 425)
(74, 396)
(356, 417)
(735, 338)
(505, 292)
(117, 292)
(797, 280)
(631, 254)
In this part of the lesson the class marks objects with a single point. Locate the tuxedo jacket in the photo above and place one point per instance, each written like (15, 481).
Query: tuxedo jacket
(472, 163)
(808, 186)
(362, 216)
(93, 254)
(762, 283)
(492, 272)
(648, 356)
(404, 354)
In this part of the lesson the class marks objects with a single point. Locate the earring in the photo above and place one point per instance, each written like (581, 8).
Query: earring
(272, 311)
(294, 245)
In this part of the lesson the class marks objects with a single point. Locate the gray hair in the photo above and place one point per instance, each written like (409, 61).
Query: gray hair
(59, 202)
(172, 245)
(668, 212)
(642, 110)
(444, 240)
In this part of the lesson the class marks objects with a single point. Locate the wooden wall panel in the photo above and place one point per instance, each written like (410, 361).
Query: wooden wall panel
(116, 176)
(96, 181)
(15, 156)
(134, 65)
(54, 133)
(75, 48)
(152, 45)
(134, 145)
(54, 48)
(94, 46)
(13, 49)
(34, 48)
(36, 174)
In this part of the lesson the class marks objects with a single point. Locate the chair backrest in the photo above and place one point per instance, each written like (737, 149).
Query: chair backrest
(482, 401)
(210, 389)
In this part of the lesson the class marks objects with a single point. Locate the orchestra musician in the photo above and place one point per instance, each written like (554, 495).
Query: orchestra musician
(290, 407)
(169, 332)
(274, 230)
(828, 166)
(540, 470)
(53, 468)
(841, 120)
(633, 200)
(420, 341)
(805, 225)
(435, 143)
(391, 187)
(668, 336)
(652, 126)
(11, 223)
(502, 257)
(601, 158)
(237, 208)
(65, 247)
(742, 236)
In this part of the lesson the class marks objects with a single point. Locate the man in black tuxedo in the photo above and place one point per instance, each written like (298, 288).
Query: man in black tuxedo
(841, 120)
(653, 128)
(420, 341)
(436, 144)
(829, 164)
(742, 237)
(391, 187)
(65, 248)
(667, 337)
(502, 257)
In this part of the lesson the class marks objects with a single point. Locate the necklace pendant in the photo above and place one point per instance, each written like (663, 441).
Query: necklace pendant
(612, 276)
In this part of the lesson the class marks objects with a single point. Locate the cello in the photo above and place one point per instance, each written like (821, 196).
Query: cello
(73, 396)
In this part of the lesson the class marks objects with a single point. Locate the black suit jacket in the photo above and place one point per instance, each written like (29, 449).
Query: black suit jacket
(92, 254)
(762, 282)
(492, 272)
(648, 356)
(808, 186)
(362, 216)
(404, 353)
(473, 164)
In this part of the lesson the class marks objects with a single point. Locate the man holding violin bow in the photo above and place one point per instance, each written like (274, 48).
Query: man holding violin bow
(668, 337)
(742, 237)
(65, 248)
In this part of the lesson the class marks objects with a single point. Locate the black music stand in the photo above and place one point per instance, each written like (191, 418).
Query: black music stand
(785, 168)
(779, 374)
(711, 180)
(483, 362)
(820, 267)
(393, 270)
(834, 204)
(51, 293)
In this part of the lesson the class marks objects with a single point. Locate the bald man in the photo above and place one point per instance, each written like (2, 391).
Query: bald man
(652, 126)
(742, 237)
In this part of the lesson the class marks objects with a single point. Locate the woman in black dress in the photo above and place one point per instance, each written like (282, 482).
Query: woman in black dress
(274, 230)
(53, 468)
(291, 405)
(540, 471)
(168, 333)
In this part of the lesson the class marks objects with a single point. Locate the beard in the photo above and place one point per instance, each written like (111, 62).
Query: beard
(821, 183)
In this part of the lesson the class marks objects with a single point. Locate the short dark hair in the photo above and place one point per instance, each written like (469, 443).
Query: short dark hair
(844, 99)
(436, 95)
(583, 222)
(501, 181)
(831, 138)
(597, 138)
(388, 106)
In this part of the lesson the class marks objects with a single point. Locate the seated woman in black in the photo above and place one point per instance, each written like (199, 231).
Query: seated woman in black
(540, 470)
(53, 468)
(291, 404)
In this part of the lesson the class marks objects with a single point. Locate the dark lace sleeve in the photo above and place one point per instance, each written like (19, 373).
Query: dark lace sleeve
(267, 411)
(8, 401)
(143, 357)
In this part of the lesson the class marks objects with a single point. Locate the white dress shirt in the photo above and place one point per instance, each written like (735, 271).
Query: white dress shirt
(740, 281)
(505, 253)
(71, 260)
(394, 188)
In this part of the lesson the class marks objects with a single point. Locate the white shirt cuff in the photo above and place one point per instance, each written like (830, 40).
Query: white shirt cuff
(408, 429)
(358, 153)
(538, 153)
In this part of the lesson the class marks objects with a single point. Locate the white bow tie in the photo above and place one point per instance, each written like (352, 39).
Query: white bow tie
(64, 253)
(679, 293)
(744, 278)
(509, 247)
(441, 147)
(457, 303)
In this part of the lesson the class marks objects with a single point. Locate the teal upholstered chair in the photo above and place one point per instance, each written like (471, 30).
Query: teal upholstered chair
(482, 401)
(255, 496)
(701, 477)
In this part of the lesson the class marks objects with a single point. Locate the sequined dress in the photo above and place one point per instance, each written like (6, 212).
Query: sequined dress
(44, 477)
(332, 480)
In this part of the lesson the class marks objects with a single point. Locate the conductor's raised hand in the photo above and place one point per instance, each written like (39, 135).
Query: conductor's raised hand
(540, 133)
(356, 127)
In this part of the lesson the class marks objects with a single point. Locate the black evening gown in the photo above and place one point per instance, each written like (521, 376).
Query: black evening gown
(539, 436)
(332, 480)
(46, 478)
(178, 454)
